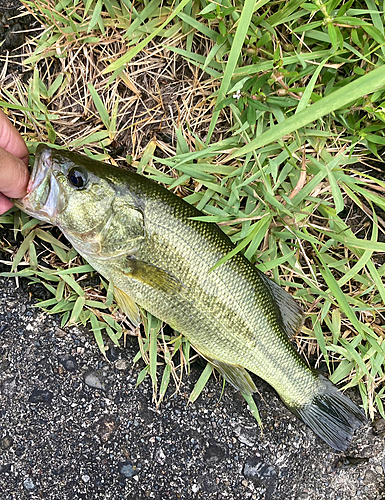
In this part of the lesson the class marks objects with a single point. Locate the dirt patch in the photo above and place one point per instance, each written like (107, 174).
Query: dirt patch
(15, 22)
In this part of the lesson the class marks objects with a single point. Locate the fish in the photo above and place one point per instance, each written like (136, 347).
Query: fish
(149, 244)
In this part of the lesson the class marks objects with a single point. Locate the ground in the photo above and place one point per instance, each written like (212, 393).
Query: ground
(74, 426)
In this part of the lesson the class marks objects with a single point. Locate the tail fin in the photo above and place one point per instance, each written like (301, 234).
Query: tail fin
(331, 415)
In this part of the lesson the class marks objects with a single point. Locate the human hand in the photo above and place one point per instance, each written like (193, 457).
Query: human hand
(13, 164)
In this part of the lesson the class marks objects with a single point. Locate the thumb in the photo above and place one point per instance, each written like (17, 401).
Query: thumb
(13, 175)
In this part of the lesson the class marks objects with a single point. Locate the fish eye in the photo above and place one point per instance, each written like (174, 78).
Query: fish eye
(77, 177)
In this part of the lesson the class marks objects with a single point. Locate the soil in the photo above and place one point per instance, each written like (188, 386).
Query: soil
(13, 27)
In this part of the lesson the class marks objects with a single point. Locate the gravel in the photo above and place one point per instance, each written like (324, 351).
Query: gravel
(74, 426)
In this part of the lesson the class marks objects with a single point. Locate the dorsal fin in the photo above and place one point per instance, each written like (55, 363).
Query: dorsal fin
(291, 313)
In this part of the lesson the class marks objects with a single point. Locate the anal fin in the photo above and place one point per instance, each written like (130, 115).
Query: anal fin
(236, 375)
(128, 306)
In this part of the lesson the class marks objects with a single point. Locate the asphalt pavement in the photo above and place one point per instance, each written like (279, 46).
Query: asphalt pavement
(74, 426)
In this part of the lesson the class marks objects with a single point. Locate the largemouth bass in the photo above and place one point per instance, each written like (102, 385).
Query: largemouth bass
(142, 238)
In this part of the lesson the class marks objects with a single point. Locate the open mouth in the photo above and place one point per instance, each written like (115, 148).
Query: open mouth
(43, 189)
(41, 169)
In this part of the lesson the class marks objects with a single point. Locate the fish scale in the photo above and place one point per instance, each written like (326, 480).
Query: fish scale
(144, 240)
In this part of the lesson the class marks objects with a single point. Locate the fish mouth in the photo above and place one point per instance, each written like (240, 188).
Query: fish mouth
(44, 198)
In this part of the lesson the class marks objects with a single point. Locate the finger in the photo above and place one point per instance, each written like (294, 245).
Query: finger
(13, 175)
(5, 204)
(11, 140)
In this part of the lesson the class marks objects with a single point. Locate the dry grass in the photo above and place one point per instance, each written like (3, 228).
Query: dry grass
(157, 92)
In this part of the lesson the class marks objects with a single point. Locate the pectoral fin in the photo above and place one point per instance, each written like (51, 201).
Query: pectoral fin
(128, 306)
(290, 312)
(151, 275)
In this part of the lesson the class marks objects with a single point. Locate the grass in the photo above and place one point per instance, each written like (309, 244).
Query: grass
(263, 115)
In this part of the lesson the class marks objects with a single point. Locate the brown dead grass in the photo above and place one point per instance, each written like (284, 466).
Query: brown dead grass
(157, 92)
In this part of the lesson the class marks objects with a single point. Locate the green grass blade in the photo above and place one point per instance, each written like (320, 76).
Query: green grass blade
(72, 283)
(148, 11)
(258, 231)
(76, 270)
(340, 98)
(198, 26)
(97, 331)
(338, 294)
(253, 408)
(236, 48)
(122, 61)
(99, 106)
(201, 383)
(310, 87)
(78, 307)
(22, 250)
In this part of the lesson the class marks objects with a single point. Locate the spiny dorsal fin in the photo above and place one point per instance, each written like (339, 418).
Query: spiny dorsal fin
(128, 306)
(291, 312)
(151, 275)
